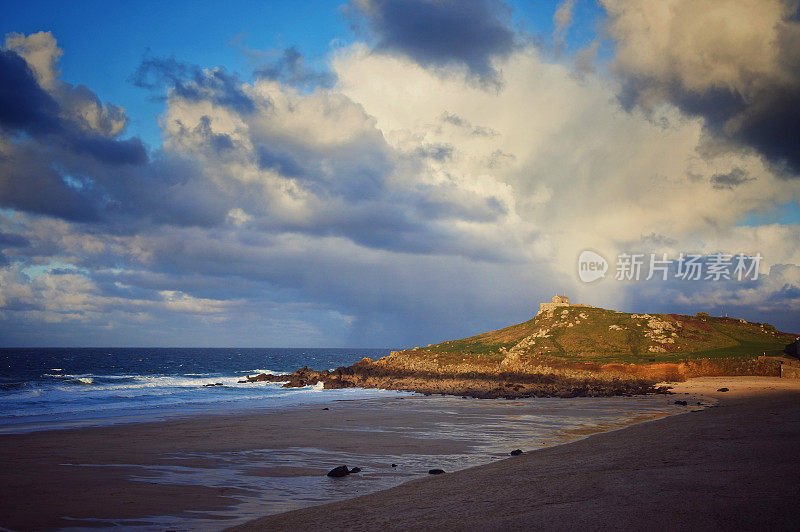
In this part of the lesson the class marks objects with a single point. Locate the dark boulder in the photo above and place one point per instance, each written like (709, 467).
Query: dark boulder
(516, 452)
(337, 384)
(355, 470)
(683, 403)
(340, 471)
(264, 377)
(435, 471)
(394, 465)
(722, 390)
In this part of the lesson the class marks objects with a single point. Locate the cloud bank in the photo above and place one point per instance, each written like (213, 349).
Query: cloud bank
(402, 204)
(734, 63)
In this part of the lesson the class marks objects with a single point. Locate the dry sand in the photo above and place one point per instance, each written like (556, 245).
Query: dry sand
(734, 466)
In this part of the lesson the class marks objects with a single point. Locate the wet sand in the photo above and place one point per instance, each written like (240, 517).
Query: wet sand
(733, 466)
(215, 471)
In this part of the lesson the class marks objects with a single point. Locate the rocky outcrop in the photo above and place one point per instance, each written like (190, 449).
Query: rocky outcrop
(486, 384)
(339, 471)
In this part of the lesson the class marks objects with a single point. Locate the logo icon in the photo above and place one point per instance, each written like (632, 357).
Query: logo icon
(591, 266)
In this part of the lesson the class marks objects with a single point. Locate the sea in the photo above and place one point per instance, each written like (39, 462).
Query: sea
(50, 388)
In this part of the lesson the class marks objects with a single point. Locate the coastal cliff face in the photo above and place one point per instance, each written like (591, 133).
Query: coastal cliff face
(485, 385)
(568, 352)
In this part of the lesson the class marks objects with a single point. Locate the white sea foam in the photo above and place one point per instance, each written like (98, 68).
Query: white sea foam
(76, 396)
(267, 371)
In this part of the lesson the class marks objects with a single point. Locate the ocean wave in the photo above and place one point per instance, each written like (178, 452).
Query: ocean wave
(19, 396)
(260, 371)
(13, 386)
(148, 384)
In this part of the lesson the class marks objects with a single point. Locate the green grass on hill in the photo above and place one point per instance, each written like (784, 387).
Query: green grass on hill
(598, 335)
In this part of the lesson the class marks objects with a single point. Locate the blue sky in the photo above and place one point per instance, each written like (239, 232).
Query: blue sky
(383, 172)
(116, 35)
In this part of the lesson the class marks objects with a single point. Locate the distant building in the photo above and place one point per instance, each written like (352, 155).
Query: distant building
(557, 302)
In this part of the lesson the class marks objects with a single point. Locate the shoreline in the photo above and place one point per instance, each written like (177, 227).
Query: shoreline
(208, 472)
(732, 465)
(165, 414)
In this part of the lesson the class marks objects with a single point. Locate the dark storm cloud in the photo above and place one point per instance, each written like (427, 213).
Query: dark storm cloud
(291, 68)
(771, 126)
(737, 65)
(732, 179)
(109, 151)
(442, 33)
(11, 240)
(450, 118)
(29, 182)
(26, 107)
(192, 83)
(437, 151)
(354, 170)
(35, 169)
(767, 122)
(65, 160)
(279, 161)
(219, 142)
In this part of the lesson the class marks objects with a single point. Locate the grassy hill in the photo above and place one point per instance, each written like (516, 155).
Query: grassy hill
(588, 334)
(570, 352)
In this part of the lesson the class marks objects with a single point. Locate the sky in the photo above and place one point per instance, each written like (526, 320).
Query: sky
(389, 173)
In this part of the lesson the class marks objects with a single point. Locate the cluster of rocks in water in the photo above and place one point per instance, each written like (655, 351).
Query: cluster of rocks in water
(488, 385)
(343, 470)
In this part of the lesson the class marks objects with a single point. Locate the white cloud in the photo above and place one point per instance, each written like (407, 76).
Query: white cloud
(41, 52)
(701, 44)
(403, 203)
(583, 172)
(78, 104)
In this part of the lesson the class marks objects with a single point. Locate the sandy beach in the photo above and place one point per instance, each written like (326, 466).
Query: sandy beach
(729, 461)
(733, 466)
(214, 471)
